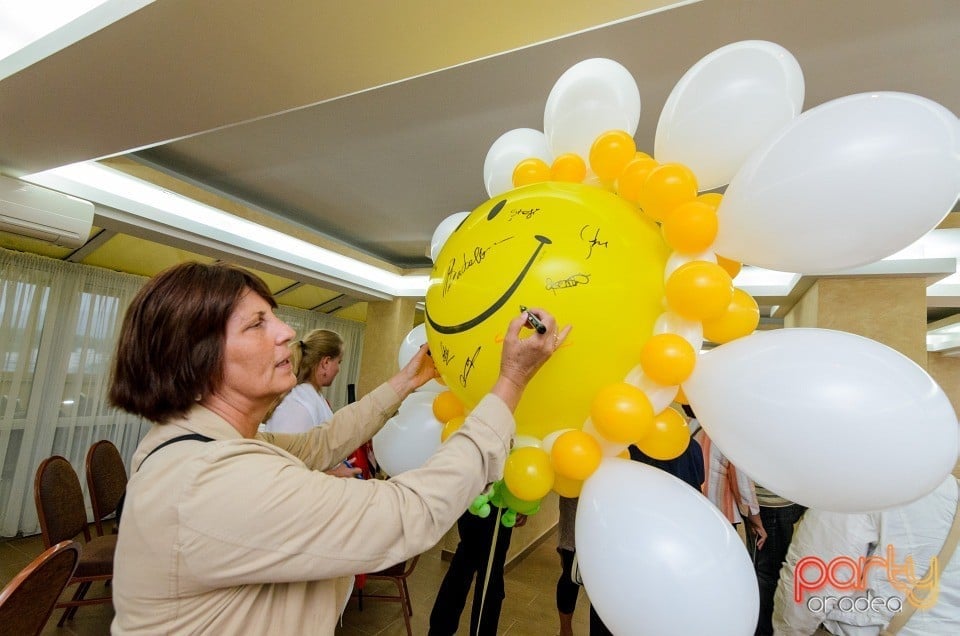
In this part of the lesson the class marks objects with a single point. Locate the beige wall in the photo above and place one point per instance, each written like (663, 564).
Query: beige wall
(889, 310)
(946, 371)
(388, 322)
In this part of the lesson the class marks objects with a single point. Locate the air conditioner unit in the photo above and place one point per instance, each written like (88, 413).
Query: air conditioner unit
(29, 210)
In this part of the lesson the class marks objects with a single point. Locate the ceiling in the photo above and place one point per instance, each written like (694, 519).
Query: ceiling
(360, 126)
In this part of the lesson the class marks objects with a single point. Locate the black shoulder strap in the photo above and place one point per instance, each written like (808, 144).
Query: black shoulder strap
(182, 438)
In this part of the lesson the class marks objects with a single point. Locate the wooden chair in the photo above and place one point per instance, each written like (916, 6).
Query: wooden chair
(63, 516)
(106, 480)
(397, 574)
(28, 600)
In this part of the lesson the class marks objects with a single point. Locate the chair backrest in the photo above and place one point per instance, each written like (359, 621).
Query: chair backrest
(28, 600)
(106, 480)
(59, 500)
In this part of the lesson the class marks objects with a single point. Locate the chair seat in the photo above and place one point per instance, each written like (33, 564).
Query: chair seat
(96, 556)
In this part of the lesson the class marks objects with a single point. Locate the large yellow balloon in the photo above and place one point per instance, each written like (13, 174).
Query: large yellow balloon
(528, 473)
(581, 253)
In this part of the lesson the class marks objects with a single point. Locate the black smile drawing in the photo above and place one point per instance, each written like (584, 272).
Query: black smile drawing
(497, 304)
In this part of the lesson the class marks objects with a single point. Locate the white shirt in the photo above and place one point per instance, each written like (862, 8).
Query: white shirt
(302, 409)
(916, 530)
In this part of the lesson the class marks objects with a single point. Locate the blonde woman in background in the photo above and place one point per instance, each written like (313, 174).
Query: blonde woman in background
(316, 359)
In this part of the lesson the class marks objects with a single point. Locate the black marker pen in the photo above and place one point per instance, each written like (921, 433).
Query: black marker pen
(534, 321)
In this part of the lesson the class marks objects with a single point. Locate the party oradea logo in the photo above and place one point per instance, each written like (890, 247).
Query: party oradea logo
(846, 574)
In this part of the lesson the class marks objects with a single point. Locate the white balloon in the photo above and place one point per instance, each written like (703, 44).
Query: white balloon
(608, 448)
(725, 106)
(551, 438)
(677, 259)
(660, 396)
(522, 441)
(826, 418)
(650, 547)
(409, 438)
(845, 184)
(507, 151)
(590, 98)
(411, 343)
(689, 330)
(443, 232)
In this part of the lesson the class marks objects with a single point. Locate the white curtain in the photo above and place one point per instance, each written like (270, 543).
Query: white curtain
(58, 327)
(304, 321)
(59, 324)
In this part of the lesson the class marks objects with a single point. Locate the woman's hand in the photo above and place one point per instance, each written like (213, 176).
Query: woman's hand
(523, 357)
(415, 374)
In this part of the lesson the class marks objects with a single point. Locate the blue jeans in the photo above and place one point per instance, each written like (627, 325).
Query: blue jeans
(778, 522)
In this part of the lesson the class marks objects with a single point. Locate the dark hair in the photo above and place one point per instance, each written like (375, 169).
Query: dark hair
(170, 351)
(688, 410)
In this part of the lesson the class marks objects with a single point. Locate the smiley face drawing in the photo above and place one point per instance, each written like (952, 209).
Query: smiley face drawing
(583, 254)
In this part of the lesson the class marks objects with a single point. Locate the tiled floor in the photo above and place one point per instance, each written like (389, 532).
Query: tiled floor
(529, 608)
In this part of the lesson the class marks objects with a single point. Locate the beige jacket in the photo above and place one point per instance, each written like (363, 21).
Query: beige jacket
(246, 536)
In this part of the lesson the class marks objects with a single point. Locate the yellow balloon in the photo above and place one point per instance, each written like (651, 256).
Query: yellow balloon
(632, 177)
(665, 188)
(447, 406)
(712, 199)
(451, 427)
(622, 413)
(740, 319)
(681, 397)
(528, 473)
(624, 454)
(691, 227)
(529, 171)
(729, 266)
(566, 487)
(579, 252)
(568, 167)
(610, 152)
(699, 290)
(575, 455)
(669, 438)
(667, 359)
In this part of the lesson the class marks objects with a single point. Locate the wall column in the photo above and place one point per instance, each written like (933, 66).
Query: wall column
(388, 322)
(890, 310)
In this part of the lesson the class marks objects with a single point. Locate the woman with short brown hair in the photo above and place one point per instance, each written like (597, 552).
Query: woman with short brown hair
(228, 531)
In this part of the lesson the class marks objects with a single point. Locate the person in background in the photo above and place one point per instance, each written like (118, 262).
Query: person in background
(470, 559)
(567, 588)
(687, 467)
(227, 531)
(730, 489)
(909, 571)
(316, 360)
(778, 516)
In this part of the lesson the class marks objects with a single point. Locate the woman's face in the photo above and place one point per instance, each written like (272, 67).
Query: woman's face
(328, 369)
(256, 358)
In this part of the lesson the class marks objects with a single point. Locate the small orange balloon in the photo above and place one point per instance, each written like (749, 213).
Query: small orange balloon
(568, 167)
(447, 406)
(666, 187)
(699, 290)
(634, 174)
(451, 427)
(690, 228)
(712, 199)
(564, 487)
(624, 454)
(667, 359)
(528, 473)
(740, 319)
(529, 171)
(575, 455)
(681, 397)
(669, 438)
(621, 413)
(729, 266)
(611, 152)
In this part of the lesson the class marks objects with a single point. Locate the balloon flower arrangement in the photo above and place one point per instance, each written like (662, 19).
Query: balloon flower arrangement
(639, 253)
